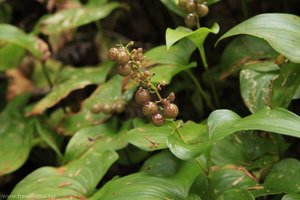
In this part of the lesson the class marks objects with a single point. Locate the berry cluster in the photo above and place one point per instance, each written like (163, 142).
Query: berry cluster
(131, 63)
(117, 106)
(195, 9)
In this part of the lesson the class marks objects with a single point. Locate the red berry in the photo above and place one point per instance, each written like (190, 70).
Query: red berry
(158, 119)
(142, 96)
(150, 108)
(171, 110)
(124, 70)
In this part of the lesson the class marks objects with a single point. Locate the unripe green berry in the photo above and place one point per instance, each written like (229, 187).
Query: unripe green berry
(191, 20)
(113, 54)
(158, 119)
(124, 70)
(171, 110)
(123, 58)
(150, 108)
(142, 96)
(202, 10)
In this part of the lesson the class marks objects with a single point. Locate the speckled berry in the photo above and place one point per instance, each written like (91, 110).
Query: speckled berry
(107, 109)
(96, 108)
(202, 10)
(123, 57)
(150, 108)
(124, 70)
(182, 3)
(113, 54)
(171, 97)
(171, 110)
(158, 119)
(191, 6)
(142, 96)
(191, 20)
(164, 102)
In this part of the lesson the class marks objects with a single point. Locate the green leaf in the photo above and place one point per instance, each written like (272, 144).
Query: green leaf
(16, 134)
(49, 136)
(197, 37)
(103, 137)
(10, 56)
(68, 80)
(106, 94)
(281, 31)
(291, 197)
(236, 194)
(14, 35)
(256, 82)
(284, 177)
(148, 187)
(244, 49)
(77, 179)
(75, 17)
(285, 85)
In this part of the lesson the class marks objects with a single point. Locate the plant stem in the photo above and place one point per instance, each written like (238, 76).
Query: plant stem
(200, 89)
(46, 74)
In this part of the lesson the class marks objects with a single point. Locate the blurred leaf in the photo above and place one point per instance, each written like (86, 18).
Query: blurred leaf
(49, 136)
(172, 5)
(106, 94)
(236, 194)
(242, 50)
(281, 31)
(297, 94)
(16, 134)
(68, 80)
(103, 137)
(77, 179)
(284, 177)
(256, 83)
(75, 17)
(96, 2)
(10, 56)
(5, 12)
(197, 37)
(14, 35)
(148, 187)
(285, 85)
(291, 197)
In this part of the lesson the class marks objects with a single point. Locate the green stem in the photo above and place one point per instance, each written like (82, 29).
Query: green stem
(46, 74)
(200, 89)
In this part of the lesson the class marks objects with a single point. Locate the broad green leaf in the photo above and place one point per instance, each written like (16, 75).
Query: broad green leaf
(291, 197)
(106, 94)
(285, 85)
(297, 94)
(14, 35)
(68, 80)
(96, 2)
(284, 177)
(75, 17)
(78, 179)
(170, 62)
(149, 137)
(244, 49)
(190, 133)
(281, 31)
(222, 179)
(49, 136)
(248, 149)
(10, 56)
(103, 137)
(236, 194)
(256, 82)
(197, 37)
(148, 187)
(16, 134)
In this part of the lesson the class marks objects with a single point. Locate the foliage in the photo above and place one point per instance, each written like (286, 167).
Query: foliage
(87, 118)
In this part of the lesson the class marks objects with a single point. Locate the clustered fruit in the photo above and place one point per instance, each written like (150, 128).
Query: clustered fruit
(117, 106)
(195, 9)
(131, 64)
